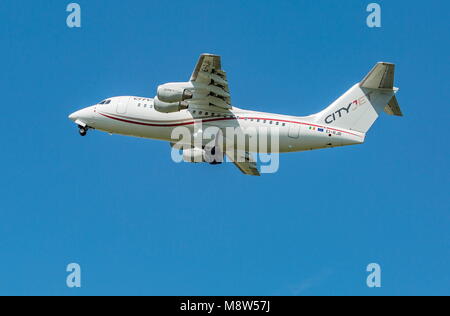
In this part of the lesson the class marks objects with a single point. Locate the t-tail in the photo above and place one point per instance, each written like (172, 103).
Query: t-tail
(360, 106)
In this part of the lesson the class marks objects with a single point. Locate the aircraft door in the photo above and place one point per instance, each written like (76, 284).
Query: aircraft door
(122, 105)
(294, 130)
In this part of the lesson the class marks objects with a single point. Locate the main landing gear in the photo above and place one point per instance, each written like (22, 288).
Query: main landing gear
(83, 130)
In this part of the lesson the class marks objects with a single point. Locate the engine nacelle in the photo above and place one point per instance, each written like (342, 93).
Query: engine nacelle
(173, 92)
(194, 155)
(197, 155)
(165, 107)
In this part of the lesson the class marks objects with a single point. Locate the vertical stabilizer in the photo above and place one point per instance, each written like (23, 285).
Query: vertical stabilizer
(360, 106)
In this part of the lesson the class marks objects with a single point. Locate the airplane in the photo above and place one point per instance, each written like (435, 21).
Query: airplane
(205, 101)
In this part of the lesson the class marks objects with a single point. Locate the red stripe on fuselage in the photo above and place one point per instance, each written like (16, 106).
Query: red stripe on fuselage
(301, 123)
(162, 125)
(225, 119)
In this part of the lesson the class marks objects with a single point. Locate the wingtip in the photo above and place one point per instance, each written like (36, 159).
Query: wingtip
(210, 55)
(386, 63)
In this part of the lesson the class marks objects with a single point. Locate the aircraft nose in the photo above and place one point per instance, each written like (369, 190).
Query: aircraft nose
(83, 114)
(73, 116)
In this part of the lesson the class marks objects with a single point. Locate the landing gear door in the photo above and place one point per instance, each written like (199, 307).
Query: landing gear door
(122, 105)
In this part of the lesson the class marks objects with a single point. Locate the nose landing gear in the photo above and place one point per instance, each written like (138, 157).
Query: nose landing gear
(83, 130)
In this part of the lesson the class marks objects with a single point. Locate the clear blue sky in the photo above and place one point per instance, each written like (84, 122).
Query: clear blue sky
(139, 224)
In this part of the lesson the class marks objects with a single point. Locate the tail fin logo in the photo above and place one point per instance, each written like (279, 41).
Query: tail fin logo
(333, 117)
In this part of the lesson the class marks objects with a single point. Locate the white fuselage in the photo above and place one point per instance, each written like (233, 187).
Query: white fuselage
(136, 116)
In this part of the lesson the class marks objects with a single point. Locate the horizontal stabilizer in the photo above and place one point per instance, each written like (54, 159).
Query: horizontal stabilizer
(393, 108)
(381, 77)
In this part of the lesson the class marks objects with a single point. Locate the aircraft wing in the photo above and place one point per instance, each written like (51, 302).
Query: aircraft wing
(245, 162)
(211, 82)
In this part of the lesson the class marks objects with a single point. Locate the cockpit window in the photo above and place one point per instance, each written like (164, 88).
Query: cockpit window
(105, 102)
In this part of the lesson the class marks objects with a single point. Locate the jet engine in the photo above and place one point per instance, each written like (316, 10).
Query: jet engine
(197, 155)
(165, 107)
(194, 155)
(173, 92)
(171, 97)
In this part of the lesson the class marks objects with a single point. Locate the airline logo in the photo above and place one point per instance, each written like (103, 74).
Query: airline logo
(345, 110)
